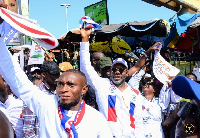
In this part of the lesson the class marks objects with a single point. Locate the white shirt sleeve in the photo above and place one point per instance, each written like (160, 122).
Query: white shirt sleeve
(86, 67)
(18, 81)
(135, 79)
(166, 96)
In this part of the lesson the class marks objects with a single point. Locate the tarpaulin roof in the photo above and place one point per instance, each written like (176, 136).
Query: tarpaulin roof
(154, 27)
(135, 29)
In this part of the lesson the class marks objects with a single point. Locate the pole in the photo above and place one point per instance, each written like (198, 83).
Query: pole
(20, 12)
(67, 18)
(66, 6)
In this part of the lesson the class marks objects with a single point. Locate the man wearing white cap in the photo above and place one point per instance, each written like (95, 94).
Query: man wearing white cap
(117, 101)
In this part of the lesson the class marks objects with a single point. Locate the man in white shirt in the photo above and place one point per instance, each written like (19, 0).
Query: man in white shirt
(61, 115)
(120, 104)
(12, 108)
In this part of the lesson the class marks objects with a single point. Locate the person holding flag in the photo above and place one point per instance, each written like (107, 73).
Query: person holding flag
(62, 115)
(120, 104)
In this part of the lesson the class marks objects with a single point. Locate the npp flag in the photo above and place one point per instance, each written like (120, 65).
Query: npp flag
(163, 69)
(89, 23)
(29, 28)
(36, 55)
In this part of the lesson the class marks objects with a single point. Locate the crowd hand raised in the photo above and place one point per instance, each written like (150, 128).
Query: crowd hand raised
(153, 48)
(85, 34)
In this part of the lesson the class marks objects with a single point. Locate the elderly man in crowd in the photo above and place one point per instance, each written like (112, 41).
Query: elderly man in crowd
(62, 115)
(117, 101)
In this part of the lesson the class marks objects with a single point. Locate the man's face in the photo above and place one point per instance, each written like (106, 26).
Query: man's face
(105, 72)
(191, 77)
(36, 74)
(118, 74)
(70, 88)
(95, 59)
(51, 78)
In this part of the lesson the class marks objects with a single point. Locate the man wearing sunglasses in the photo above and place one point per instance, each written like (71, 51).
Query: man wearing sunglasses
(117, 101)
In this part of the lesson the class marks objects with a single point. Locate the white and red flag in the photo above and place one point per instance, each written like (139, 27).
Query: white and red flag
(26, 26)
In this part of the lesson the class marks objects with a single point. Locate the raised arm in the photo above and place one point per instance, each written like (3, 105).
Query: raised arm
(18, 81)
(142, 60)
(85, 64)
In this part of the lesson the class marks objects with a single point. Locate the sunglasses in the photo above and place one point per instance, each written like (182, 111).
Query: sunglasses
(121, 70)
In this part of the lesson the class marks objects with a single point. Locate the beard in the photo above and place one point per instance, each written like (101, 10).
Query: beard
(119, 82)
(68, 106)
(34, 78)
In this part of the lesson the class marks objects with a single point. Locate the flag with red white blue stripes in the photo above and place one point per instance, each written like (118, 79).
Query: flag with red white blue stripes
(87, 22)
(28, 27)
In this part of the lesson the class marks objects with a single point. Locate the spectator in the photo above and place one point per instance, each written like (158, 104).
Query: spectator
(151, 110)
(105, 64)
(120, 104)
(96, 56)
(50, 71)
(35, 76)
(47, 75)
(57, 119)
(12, 108)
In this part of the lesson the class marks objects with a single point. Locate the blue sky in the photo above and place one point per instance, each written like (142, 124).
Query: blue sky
(52, 17)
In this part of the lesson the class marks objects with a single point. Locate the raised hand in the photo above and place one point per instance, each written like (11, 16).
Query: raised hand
(153, 48)
(85, 34)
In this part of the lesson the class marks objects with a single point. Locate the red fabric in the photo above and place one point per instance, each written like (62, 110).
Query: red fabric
(132, 121)
(136, 91)
(184, 43)
(23, 26)
(112, 116)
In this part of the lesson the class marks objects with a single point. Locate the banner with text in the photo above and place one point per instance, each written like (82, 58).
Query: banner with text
(162, 69)
(36, 55)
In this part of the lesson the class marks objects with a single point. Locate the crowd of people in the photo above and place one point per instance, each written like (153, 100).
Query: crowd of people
(105, 98)
(102, 98)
